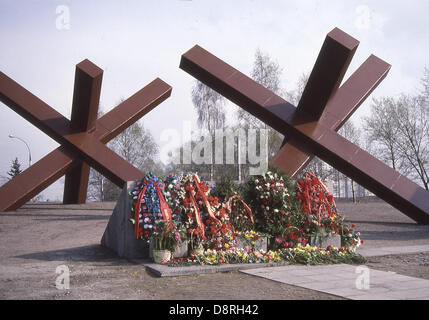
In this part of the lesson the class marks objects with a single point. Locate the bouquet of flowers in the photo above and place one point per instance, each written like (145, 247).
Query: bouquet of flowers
(165, 237)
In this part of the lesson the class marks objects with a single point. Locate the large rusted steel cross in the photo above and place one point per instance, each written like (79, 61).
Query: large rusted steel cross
(324, 107)
(82, 138)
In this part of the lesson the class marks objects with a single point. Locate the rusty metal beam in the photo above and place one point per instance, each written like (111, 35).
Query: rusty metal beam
(50, 168)
(86, 98)
(76, 144)
(33, 180)
(319, 139)
(345, 101)
(328, 72)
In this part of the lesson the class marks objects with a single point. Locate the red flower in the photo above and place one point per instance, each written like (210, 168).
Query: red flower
(186, 202)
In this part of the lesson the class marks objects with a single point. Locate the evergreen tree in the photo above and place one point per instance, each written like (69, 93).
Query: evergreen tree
(15, 169)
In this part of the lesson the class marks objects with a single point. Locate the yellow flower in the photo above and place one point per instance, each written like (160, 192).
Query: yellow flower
(253, 242)
(226, 245)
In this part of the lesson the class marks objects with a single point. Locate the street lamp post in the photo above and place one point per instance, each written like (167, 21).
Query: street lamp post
(29, 152)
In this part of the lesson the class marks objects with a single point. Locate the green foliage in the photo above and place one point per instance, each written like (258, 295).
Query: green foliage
(276, 210)
(15, 169)
(225, 187)
(300, 255)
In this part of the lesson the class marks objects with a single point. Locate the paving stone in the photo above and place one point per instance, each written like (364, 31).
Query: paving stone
(342, 281)
(373, 252)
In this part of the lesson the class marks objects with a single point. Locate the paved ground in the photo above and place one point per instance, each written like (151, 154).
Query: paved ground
(351, 282)
(35, 240)
(381, 225)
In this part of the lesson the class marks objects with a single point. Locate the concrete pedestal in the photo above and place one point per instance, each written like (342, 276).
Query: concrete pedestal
(260, 244)
(324, 241)
(119, 233)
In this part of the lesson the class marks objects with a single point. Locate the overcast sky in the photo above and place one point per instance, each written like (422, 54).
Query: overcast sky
(136, 41)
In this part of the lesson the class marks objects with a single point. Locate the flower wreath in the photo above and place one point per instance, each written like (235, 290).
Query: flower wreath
(205, 218)
(240, 214)
(148, 206)
(314, 197)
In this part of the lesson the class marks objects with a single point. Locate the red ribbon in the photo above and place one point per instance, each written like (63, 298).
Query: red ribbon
(205, 201)
(163, 205)
(137, 207)
(197, 215)
(165, 209)
(249, 211)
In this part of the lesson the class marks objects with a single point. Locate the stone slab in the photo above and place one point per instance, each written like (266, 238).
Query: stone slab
(166, 271)
(325, 241)
(345, 281)
(299, 275)
(383, 251)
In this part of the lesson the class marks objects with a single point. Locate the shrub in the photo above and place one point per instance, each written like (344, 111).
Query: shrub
(225, 187)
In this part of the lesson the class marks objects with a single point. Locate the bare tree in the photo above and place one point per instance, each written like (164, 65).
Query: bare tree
(96, 183)
(293, 96)
(400, 127)
(351, 133)
(381, 132)
(136, 145)
(320, 168)
(411, 117)
(210, 110)
(267, 73)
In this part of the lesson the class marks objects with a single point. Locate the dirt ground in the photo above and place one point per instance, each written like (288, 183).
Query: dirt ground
(37, 239)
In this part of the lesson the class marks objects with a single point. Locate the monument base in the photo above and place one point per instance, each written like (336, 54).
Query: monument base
(333, 240)
(119, 233)
(260, 244)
